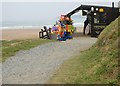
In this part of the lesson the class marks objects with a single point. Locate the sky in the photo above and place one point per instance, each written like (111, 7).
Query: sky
(34, 12)
(59, 0)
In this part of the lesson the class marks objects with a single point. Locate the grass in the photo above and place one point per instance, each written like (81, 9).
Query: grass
(9, 48)
(97, 65)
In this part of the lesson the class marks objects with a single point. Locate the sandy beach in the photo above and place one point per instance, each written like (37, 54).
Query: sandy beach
(21, 34)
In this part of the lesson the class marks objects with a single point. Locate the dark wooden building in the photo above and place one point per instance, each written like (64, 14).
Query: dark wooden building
(98, 16)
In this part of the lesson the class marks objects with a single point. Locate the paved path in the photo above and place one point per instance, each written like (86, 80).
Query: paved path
(36, 66)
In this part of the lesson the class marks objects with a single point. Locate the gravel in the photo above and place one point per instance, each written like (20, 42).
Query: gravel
(37, 65)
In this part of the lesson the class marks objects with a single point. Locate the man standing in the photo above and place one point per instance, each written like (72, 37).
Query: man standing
(85, 25)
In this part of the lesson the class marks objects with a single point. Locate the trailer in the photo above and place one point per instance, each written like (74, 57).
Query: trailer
(98, 17)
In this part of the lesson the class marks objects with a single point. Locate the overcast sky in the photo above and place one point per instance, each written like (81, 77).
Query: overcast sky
(39, 11)
(59, 0)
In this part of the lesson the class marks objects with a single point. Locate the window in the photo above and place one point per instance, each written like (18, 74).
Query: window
(96, 18)
(100, 18)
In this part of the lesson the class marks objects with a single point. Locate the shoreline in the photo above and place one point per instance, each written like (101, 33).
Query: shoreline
(20, 27)
(34, 27)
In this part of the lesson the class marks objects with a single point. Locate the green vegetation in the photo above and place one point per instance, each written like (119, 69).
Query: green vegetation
(9, 48)
(97, 65)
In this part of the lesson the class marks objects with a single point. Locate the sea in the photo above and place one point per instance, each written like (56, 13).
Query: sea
(77, 22)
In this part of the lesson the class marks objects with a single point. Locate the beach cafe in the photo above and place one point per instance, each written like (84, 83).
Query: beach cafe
(98, 17)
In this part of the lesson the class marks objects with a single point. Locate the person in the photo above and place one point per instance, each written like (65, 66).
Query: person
(85, 25)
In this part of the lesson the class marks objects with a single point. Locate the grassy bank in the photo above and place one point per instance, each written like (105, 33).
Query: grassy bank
(9, 48)
(98, 65)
